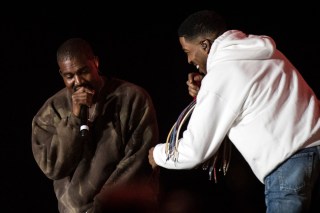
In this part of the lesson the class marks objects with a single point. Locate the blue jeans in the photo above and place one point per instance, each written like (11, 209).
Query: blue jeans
(294, 186)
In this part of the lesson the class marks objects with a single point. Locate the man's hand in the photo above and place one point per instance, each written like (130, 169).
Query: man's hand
(151, 160)
(81, 96)
(194, 83)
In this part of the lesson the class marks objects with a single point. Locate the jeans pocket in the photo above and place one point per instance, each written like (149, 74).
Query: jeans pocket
(296, 172)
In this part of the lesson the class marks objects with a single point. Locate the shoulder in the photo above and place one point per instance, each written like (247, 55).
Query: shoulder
(127, 88)
(128, 94)
(57, 103)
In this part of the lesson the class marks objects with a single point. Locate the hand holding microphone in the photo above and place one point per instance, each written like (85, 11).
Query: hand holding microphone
(81, 100)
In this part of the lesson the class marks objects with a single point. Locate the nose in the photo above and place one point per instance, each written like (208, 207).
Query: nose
(77, 79)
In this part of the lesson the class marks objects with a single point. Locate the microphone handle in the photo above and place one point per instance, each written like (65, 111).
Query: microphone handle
(84, 128)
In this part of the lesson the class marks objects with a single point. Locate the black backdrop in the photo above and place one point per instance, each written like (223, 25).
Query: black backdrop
(136, 42)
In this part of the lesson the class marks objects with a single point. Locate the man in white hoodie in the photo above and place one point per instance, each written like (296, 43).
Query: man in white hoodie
(251, 93)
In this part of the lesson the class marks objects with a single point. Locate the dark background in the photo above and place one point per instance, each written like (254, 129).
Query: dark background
(137, 42)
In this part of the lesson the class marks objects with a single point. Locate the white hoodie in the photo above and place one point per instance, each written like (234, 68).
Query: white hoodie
(253, 94)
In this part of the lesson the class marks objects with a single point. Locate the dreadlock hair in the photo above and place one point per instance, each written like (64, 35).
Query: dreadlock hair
(75, 48)
(204, 23)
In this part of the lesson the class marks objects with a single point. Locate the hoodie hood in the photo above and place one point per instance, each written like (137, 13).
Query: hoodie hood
(236, 45)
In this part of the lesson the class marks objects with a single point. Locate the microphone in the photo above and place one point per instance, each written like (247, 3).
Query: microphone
(84, 128)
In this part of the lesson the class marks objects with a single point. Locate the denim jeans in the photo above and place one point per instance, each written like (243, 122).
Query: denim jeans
(294, 186)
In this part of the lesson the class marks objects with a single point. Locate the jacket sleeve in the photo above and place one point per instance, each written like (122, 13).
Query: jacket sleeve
(56, 145)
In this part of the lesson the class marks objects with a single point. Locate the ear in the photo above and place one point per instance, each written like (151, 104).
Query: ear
(96, 61)
(205, 44)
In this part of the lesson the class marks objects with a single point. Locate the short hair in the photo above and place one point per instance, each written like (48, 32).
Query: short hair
(75, 48)
(206, 23)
